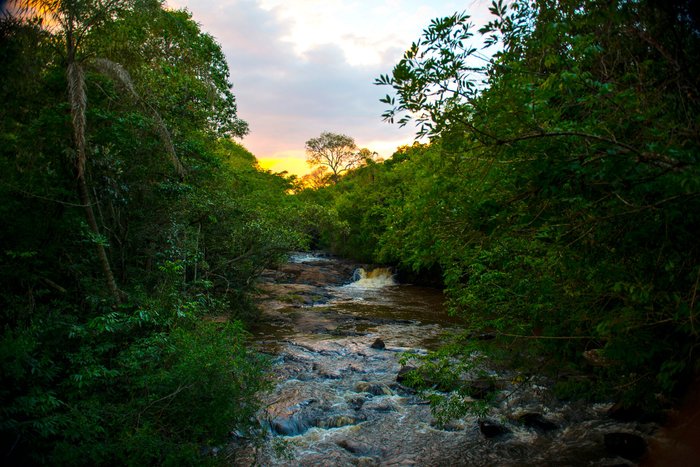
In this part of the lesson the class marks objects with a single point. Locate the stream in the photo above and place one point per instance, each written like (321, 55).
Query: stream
(336, 332)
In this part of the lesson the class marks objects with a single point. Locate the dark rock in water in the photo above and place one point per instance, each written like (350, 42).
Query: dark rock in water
(289, 426)
(491, 429)
(402, 375)
(355, 402)
(627, 445)
(378, 344)
(480, 388)
(294, 419)
(375, 389)
(537, 421)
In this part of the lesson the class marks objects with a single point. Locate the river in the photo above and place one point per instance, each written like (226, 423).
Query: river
(336, 334)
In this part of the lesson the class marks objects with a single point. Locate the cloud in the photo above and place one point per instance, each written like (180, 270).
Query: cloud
(303, 67)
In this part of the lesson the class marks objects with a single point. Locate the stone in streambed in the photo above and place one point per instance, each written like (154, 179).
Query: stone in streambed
(627, 445)
(491, 429)
(355, 402)
(289, 426)
(354, 447)
(537, 421)
(375, 389)
(378, 344)
(380, 404)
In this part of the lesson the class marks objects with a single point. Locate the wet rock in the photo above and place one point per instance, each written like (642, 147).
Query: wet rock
(327, 373)
(382, 404)
(491, 429)
(537, 421)
(402, 375)
(354, 447)
(627, 445)
(290, 416)
(315, 275)
(378, 344)
(336, 421)
(289, 426)
(355, 402)
(376, 389)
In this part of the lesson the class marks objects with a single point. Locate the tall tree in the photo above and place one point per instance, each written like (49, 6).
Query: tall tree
(317, 178)
(337, 152)
(70, 22)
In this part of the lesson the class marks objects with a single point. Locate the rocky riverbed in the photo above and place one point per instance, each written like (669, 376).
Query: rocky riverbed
(336, 334)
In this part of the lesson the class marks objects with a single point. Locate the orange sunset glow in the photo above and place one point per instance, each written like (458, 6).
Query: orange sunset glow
(292, 165)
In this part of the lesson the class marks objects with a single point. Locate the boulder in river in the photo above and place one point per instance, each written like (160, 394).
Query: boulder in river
(627, 445)
(537, 421)
(491, 429)
(290, 426)
(378, 344)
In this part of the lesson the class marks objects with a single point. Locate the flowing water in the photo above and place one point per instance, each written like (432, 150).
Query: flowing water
(336, 333)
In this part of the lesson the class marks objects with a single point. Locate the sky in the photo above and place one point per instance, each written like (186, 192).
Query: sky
(302, 67)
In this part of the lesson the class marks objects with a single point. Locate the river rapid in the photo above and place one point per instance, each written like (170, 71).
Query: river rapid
(336, 334)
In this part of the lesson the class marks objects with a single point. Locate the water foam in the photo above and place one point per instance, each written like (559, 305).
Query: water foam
(374, 279)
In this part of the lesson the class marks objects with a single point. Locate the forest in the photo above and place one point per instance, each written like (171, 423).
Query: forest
(554, 196)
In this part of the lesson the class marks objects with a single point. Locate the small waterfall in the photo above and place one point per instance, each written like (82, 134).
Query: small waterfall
(374, 279)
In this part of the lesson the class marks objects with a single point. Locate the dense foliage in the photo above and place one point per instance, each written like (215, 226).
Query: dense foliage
(132, 229)
(559, 196)
(558, 201)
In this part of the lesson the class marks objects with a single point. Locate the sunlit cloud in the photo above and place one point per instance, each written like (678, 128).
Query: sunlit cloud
(302, 67)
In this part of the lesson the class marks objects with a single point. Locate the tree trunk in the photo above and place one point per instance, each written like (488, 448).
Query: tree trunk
(78, 101)
(101, 253)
